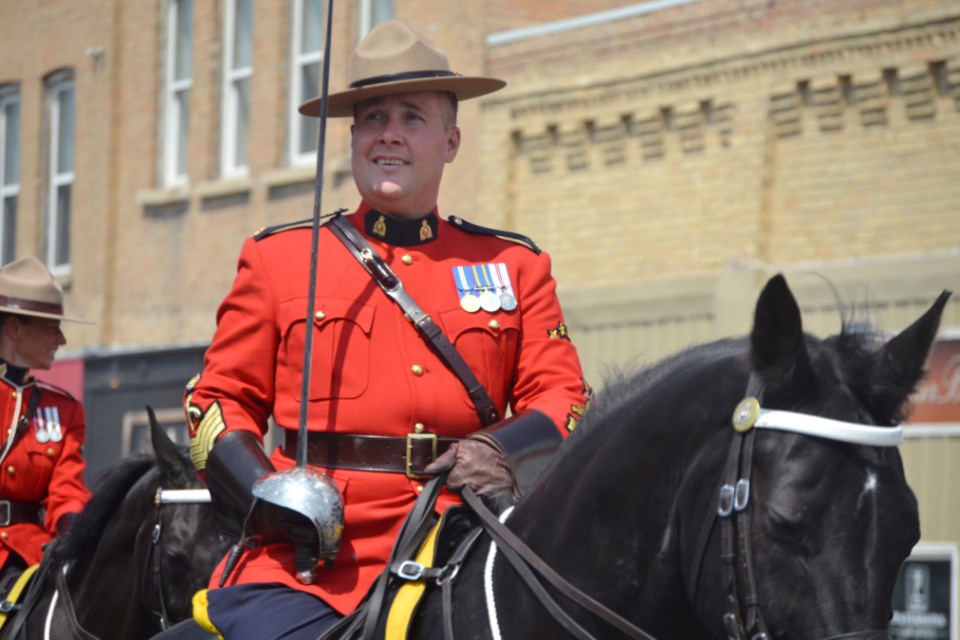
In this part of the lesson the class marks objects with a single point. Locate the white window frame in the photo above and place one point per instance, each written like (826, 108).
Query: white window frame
(9, 99)
(299, 60)
(57, 87)
(373, 12)
(176, 91)
(233, 103)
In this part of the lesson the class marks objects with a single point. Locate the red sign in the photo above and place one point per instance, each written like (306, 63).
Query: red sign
(66, 373)
(938, 397)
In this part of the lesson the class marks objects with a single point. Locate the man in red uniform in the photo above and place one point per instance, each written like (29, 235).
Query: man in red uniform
(376, 383)
(41, 458)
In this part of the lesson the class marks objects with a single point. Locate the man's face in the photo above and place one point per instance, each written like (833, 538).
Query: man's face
(37, 341)
(400, 145)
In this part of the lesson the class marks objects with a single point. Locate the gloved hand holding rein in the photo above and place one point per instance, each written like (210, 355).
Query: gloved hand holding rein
(480, 463)
(502, 460)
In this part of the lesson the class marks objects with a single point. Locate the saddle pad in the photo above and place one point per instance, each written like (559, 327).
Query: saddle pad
(16, 591)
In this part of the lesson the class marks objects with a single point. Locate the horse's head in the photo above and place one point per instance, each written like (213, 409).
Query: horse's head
(180, 543)
(818, 534)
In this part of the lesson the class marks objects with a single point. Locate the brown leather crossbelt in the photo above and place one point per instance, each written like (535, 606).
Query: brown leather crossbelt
(18, 512)
(409, 455)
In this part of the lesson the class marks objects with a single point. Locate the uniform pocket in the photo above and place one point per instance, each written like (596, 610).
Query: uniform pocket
(341, 345)
(488, 342)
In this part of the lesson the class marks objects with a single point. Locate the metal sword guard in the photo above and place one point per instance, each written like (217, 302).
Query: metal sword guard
(313, 495)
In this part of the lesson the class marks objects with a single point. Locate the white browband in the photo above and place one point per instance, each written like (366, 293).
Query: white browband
(182, 496)
(829, 429)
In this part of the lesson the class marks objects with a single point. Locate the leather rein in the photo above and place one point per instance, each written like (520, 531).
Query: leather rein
(743, 619)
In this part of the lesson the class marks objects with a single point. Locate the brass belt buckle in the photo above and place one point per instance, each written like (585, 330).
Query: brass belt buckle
(419, 436)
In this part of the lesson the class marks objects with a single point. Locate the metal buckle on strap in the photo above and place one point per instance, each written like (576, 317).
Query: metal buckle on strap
(4, 513)
(419, 436)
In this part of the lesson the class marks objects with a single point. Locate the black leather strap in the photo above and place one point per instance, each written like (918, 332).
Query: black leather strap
(387, 280)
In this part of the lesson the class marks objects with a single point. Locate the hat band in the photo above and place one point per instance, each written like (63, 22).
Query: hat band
(30, 305)
(396, 77)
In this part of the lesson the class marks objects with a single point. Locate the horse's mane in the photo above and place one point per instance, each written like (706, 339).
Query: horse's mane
(109, 490)
(855, 345)
(622, 386)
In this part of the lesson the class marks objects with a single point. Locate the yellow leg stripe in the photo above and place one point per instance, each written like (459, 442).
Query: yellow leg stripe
(200, 614)
(409, 594)
(17, 590)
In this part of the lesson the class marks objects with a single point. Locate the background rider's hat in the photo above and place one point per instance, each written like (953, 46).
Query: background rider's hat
(28, 289)
(392, 59)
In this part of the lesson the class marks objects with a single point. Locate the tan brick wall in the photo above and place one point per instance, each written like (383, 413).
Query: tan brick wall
(706, 136)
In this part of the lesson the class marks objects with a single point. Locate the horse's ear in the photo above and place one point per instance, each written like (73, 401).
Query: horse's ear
(777, 346)
(169, 459)
(899, 365)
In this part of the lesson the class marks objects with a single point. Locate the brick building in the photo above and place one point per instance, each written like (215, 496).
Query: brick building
(669, 154)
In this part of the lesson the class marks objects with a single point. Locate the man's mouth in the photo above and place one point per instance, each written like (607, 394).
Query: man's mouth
(389, 162)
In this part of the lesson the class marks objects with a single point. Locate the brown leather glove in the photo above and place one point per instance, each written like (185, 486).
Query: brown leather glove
(480, 463)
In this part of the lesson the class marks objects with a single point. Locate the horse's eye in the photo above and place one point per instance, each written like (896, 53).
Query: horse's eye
(785, 529)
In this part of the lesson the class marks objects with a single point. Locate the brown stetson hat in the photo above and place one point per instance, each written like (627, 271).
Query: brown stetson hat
(28, 289)
(392, 59)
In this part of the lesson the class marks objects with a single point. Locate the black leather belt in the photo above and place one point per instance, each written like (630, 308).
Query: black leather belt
(18, 512)
(409, 455)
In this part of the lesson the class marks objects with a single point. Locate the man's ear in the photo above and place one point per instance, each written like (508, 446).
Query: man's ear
(453, 144)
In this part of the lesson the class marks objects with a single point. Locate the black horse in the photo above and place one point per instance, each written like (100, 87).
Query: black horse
(689, 528)
(130, 564)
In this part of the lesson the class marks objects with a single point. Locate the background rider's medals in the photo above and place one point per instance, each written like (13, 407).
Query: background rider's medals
(507, 301)
(489, 301)
(46, 425)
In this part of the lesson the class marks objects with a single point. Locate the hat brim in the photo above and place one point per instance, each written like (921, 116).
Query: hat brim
(340, 105)
(17, 311)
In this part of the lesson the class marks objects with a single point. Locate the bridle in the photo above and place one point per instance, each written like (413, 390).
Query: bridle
(742, 619)
(163, 497)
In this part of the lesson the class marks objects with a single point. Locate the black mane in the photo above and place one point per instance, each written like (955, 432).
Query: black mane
(109, 490)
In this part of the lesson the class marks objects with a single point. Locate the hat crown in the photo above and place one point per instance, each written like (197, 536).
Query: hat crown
(394, 48)
(27, 279)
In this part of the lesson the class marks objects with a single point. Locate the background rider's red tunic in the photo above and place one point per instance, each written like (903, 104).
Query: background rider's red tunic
(374, 374)
(49, 472)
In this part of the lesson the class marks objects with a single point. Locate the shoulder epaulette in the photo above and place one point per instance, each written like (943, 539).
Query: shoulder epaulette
(53, 387)
(265, 232)
(469, 227)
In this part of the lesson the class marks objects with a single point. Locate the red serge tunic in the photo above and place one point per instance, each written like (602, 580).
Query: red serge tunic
(44, 465)
(373, 373)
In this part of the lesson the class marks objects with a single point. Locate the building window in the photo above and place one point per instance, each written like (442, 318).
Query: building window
(9, 170)
(60, 116)
(238, 61)
(308, 32)
(373, 12)
(179, 63)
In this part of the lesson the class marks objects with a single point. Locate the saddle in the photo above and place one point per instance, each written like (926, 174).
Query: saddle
(428, 550)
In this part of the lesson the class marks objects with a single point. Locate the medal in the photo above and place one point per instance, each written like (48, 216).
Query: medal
(470, 303)
(489, 301)
(507, 301)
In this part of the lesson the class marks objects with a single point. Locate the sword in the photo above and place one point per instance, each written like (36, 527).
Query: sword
(302, 489)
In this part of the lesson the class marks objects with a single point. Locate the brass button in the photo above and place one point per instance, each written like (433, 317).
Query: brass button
(11, 469)
(407, 259)
(419, 488)
(14, 394)
(493, 324)
(417, 370)
(419, 428)
(4, 535)
(51, 451)
(319, 315)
